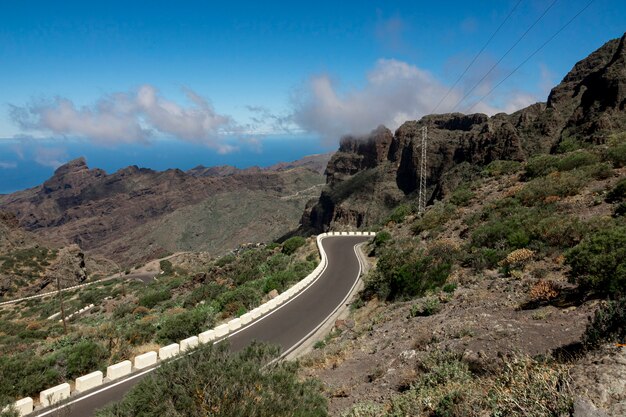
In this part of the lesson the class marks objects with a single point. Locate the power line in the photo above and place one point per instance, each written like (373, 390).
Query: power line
(505, 54)
(476, 56)
(533, 54)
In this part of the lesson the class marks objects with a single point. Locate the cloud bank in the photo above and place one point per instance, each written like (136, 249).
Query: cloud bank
(394, 92)
(128, 117)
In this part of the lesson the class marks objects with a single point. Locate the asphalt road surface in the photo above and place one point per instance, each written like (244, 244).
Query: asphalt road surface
(288, 326)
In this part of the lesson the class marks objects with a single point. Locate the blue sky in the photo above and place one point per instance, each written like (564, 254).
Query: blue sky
(221, 76)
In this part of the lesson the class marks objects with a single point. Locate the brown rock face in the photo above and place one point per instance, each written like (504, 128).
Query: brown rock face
(371, 175)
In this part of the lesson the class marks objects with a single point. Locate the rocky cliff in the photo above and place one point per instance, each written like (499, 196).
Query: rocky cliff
(371, 175)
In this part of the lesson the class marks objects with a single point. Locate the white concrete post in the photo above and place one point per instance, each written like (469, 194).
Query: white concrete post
(54, 394)
(119, 370)
(189, 343)
(169, 351)
(145, 360)
(89, 381)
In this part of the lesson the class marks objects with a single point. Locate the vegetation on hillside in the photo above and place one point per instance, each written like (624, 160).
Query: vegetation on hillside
(543, 212)
(213, 381)
(131, 317)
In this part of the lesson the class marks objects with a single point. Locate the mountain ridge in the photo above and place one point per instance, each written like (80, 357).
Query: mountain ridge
(587, 106)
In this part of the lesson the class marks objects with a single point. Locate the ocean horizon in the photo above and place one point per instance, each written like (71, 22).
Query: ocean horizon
(28, 163)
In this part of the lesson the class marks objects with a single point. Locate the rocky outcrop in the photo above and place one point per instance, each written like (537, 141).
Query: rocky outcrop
(370, 175)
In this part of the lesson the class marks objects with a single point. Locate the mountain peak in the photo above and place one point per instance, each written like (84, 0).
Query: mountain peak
(74, 165)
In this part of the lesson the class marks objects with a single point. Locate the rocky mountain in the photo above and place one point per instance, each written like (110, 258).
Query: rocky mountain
(371, 175)
(137, 214)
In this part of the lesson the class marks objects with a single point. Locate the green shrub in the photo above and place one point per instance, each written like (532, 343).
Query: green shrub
(399, 213)
(500, 167)
(84, 357)
(569, 145)
(598, 263)
(24, 374)
(425, 308)
(122, 310)
(405, 275)
(225, 260)
(179, 326)
(205, 292)
(166, 267)
(577, 159)
(617, 155)
(245, 296)
(213, 381)
(608, 324)
(155, 297)
(435, 217)
(559, 184)
(618, 193)
(382, 238)
(541, 165)
(461, 196)
(449, 287)
(292, 244)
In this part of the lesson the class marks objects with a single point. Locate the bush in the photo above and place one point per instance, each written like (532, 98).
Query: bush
(618, 193)
(500, 167)
(225, 260)
(382, 238)
(155, 297)
(577, 159)
(84, 357)
(425, 308)
(166, 267)
(26, 375)
(435, 217)
(540, 166)
(399, 213)
(292, 244)
(607, 325)
(405, 275)
(215, 382)
(182, 325)
(617, 155)
(598, 263)
(461, 196)
(555, 185)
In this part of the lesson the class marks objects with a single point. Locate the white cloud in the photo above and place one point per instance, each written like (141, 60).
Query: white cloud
(128, 117)
(8, 165)
(50, 157)
(394, 92)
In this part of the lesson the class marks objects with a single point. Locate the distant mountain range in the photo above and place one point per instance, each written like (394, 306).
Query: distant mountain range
(137, 214)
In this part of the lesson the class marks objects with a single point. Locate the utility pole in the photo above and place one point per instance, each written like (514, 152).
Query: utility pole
(421, 204)
(62, 307)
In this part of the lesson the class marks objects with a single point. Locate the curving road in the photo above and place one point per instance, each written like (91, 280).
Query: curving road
(288, 326)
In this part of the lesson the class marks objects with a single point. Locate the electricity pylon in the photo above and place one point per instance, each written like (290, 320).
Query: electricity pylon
(421, 204)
